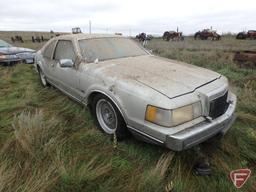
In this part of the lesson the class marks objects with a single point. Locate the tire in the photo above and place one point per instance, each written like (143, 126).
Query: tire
(240, 36)
(42, 77)
(197, 36)
(108, 118)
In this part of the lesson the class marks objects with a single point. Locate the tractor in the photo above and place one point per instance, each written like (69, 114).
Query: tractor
(206, 34)
(173, 35)
(76, 30)
(251, 34)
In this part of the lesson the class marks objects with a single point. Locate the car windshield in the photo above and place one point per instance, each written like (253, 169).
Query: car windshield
(107, 48)
(4, 44)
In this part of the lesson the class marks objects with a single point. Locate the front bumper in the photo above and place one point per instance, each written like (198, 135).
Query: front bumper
(193, 135)
(9, 60)
(13, 58)
(199, 133)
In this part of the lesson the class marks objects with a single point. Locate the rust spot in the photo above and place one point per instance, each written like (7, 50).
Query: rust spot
(112, 89)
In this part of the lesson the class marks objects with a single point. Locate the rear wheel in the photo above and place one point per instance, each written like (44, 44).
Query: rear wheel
(108, 118)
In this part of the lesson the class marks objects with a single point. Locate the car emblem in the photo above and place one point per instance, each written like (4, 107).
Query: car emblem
(239, 177)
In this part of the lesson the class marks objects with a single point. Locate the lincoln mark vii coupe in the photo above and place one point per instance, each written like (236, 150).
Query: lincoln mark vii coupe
(129, 90)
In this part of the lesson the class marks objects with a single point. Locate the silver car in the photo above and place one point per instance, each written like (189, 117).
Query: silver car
(128, 90)
(10, 54)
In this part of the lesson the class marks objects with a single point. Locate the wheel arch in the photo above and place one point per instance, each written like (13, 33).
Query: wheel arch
(38, 67)
(93, 93)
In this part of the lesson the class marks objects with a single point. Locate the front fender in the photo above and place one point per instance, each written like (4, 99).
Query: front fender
(111, 94)
(38, 61)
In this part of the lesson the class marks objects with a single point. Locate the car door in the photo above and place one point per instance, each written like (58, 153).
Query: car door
(66, 77)
(48, 62)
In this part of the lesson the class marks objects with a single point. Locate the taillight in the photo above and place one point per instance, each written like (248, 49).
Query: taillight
(2, 56)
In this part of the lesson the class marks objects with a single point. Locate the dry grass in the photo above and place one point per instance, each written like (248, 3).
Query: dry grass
(86, 172)
(7, 176)
(30, 177)
(162, 165)
(154, 178)
(33, 160)
(32, 133)
(26, 163)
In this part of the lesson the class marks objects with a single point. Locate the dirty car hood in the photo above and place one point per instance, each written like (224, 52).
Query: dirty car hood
(169, 77)
(14, 50)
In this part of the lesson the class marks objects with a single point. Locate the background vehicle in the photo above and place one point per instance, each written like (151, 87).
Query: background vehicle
(207, 34)
(10, 54)
(251, 34)
(144, 37)
(173, 35)
(76, 30)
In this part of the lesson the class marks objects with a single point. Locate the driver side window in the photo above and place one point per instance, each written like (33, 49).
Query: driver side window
(47, 53)
(64, 50)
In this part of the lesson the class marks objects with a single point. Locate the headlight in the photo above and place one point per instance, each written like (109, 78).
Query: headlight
(158, 116)
(8, 56)
(186, 113)
(169, 118)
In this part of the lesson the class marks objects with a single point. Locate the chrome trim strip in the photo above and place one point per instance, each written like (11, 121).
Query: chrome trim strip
(144, 134)
(217, 93)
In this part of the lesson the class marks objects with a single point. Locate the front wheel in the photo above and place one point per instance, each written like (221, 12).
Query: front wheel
(108, 118)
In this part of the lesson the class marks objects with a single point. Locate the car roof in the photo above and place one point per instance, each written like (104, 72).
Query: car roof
(81, 36)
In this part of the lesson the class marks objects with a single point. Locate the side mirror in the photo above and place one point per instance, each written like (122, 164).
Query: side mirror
(66, 63)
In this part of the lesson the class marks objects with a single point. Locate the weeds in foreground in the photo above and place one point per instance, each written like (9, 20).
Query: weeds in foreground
(153, 179)
(33, 135)
(26, 161)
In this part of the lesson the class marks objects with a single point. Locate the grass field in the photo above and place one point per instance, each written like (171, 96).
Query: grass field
(49, 143)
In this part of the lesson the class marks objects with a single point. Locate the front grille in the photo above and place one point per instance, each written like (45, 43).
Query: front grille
(218, 106)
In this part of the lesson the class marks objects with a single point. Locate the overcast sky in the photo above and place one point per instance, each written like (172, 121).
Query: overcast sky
(129, 16)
